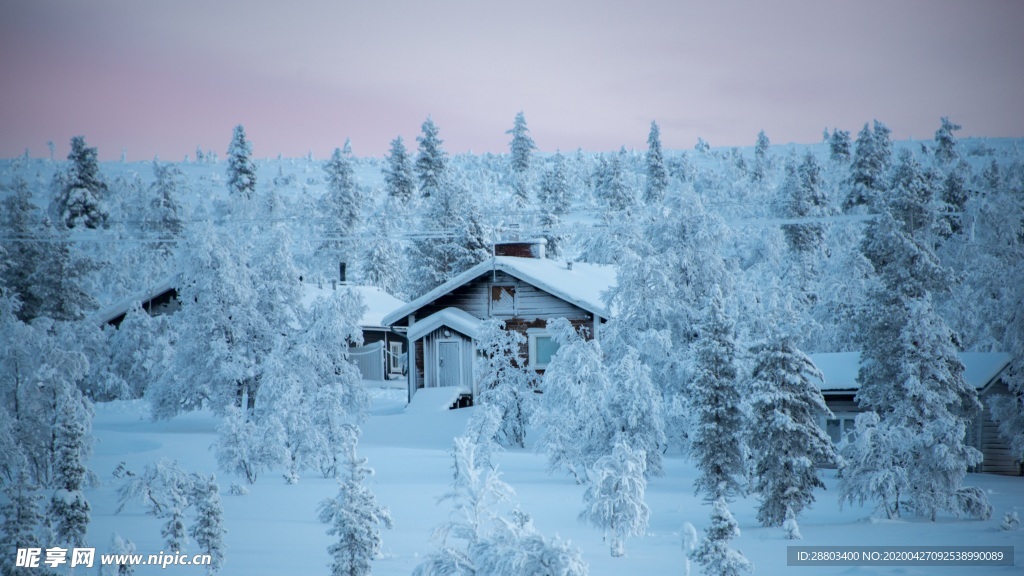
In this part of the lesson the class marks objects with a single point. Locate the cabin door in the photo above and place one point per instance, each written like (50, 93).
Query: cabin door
(449, 364)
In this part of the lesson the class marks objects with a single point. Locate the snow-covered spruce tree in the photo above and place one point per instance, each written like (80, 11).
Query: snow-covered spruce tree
(354, 517)
(713, 553)
(785, 438)
(873, 465)
(69, 510)
(807, 199)
(839, 146)
(761, 164)
(945, 142)
(249, 448)
(208, 528)
(383, 262)
(431, 160)
(43, 268)
(399, 178)
(241, 170)
(718, 443)
(505, 382)
(80, 192)
(520, 147)
(21, 522)
(872, 156)
(166, 215)
(342, 204)
(614, 501)
(554, 198)
(571, 410)
(657, 174)
(634, 408)
(611, 184)
(937, 408)
(458, 240)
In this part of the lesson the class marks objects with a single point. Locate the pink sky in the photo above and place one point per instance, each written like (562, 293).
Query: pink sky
(162, 77)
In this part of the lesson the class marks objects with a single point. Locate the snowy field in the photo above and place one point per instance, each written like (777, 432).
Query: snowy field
(274, 529)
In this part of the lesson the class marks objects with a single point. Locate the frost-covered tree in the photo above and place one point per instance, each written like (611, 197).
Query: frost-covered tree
(785, 440)
(807, 199)
(714, 554)
(760, 157)
(383, 262)
(119, 546)
(342, 202)
(166, 214)
(657, 174)
(521, 148)
(80, 189)
(241, 170)
(873, 468)
(505, 382)
(475, 492)
(872, 156)
(611, 184)
(249, 448)
(555, 199)
(69, 510)
(354, 517)
(431, 160)
(945, 142)
(839, 146)
(614, 501)
(457, 242)
(633, 407)
(43, 269)
(515, 547)
(718, 444)
(570, 411)
(166, 491)
(21, 522)
(399, 178)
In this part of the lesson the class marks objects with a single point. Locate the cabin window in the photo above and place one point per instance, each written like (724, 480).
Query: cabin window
(542, 348)
(503, 299)
(839, 427)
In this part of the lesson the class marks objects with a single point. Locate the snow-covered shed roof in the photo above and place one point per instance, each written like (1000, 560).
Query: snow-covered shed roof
(378, 302)
(583, 285)
(840, 368)
(459, 320)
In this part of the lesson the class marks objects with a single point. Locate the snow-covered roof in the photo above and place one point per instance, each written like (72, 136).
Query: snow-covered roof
(378, 302)
(840, 368)
(583, 285)
(108, 313)
(460, 320)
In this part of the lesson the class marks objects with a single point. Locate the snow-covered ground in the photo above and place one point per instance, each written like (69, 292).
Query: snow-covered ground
(274, 529)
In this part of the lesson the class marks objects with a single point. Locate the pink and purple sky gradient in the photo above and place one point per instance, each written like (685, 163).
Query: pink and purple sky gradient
(163, 77)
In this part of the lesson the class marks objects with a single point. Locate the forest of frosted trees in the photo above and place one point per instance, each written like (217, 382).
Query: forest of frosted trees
(732, 265)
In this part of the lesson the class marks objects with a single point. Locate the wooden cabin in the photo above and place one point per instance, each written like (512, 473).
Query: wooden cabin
(517, 285)
(982, 370)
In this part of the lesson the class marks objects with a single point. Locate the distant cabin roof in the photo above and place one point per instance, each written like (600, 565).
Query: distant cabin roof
(120, 308)
(378, 302)
(840, 368)
(584, 285)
